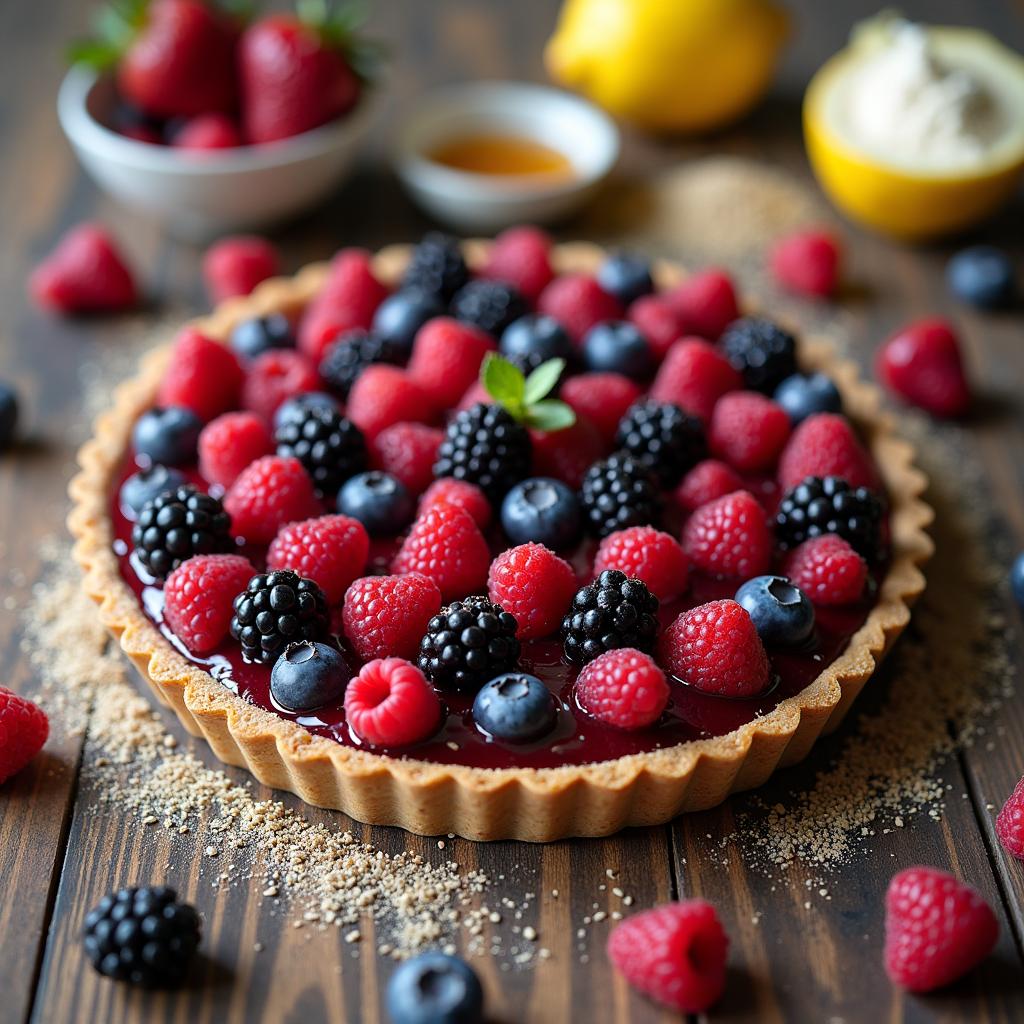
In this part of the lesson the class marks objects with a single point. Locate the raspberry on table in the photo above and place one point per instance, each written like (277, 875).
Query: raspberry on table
(578, 303)
(825, 445)
(198, 597)
(488, 305)
(707, 480)
(1010, 823)
(389, 614)
(623, 687)
(277, 609)
(649, 555)
(659, 322)
(663, 438)
(533, 584)
(521, 256)
(828, 570)
(567, 454)
(601, 399)
(674, 953)
(707, 303)
(467, 496)
(234, 266)
(923, 365)
(274, 378)
(384, 395)
(329, 550)
(436, 267)
(331, 447)
(267, 494)
(408, 451)
(829, 505)
(613, 611)
(694, 375)
(230, 443)
(24, 729)
(176, 525)
(806, 262)
(748, 431)
(936, 929)
(350, 353)
(202, 375)
(715, 648)
(391, 704)
(446, 358)
(729, 536)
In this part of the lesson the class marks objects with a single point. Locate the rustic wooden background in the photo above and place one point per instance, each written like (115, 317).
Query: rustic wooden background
(57, 858)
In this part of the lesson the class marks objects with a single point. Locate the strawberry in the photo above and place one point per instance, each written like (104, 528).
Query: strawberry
(84, 274)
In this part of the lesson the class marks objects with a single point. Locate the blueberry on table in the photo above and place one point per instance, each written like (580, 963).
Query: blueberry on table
(781, 612)
(169, 435)
(379, 501)
(8, 414)
(616, 346)
(1017, 579)
(308, 676)
(544, 511)
(515, 706)
(401, 315)
(434, 988)
(982, 276)
(806, 394)
(253, 337)
(625, 276)
(145, 485)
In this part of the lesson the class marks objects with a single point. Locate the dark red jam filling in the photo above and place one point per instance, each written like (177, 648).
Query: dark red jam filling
(576, 738)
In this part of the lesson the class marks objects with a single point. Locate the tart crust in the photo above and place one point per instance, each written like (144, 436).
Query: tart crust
(537, 805)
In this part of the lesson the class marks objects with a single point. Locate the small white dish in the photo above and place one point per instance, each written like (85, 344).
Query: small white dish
(472, 202)
(199, 196)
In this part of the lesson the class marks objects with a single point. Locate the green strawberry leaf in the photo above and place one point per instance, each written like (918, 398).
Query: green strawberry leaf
(504, 383)
(542, 381)
(550, 415)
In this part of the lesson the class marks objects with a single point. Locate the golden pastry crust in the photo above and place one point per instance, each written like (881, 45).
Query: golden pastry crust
(536, 805)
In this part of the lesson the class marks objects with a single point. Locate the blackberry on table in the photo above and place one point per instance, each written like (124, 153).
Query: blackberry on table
(176, 525)
(819, 505)
(467, 643)
(489, 305)
(331, 447)
(350, 354)
(277, 609)
(142, 936)
(618, 492)
(663, 438)
(437, 267)
(614, 611)
(485, 446)
(761, 351)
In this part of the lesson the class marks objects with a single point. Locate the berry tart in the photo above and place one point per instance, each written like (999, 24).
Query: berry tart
(504, 539)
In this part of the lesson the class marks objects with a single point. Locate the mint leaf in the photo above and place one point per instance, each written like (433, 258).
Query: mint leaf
(542, 381)
(505, 384)
(550, 415)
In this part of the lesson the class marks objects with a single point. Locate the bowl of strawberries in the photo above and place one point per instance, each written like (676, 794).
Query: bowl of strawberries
(213, 124)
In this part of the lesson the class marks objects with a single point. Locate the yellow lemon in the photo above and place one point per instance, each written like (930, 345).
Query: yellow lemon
(668, 65)
(899, 190)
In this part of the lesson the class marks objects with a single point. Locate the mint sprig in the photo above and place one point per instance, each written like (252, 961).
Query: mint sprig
(525, 398)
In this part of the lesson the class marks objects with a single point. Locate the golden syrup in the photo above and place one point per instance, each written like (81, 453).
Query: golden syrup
(505, 155)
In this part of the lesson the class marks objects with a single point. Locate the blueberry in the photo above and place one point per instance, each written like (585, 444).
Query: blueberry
(294, 409)
(434, 988)
(8, 414)
(515, 706)
(544, 511)
(1017, 579)
(982, 276)
(616, 346)
(538, 336)
(142, 487)
(168, 435)
(252, 338)
(401, 315)
(309, 675)
(625, 276)
(805, 394)
(378, 500)
(782, 614)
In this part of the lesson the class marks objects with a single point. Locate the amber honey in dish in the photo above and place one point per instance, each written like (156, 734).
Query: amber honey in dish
(506, 155)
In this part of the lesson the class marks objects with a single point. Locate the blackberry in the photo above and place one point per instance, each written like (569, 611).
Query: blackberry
(331, 447)
(489, 305)
(760, 350)
(467, 643)
(176, 525)
(277, 609)
(437, 267)
(829, 504)
(663, 438)
(485, 446)
(352, 353)
(142, 936)
(614, 611)
(618, 492)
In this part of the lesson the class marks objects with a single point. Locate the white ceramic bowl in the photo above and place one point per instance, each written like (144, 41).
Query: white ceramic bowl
(486, 203)
(196, 195)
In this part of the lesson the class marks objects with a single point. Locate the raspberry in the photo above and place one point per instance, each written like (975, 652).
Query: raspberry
(390, 703)
(446, 545)
(707, 302)
(208, 131)
(467, 496)
(446, 358)
(202, 376)
(624, 688)
(936, 929)
(521, 257)
(407, 451)
(825, 445)
(715, 648)
(923, 365)
(198, 598)
(567, 454)
(674, 954)
(273, 378)
(389, 614)
(267, 494)
(535, 585)
(707, 480)
(24, 728)
(649, 555)
(229, 443)
(383, 395)
(234, 266)
(659, 322)
(602, 399)
(828, 570)
(729, 536)
(748, 431)
(578, 302)
(85, 273)
(329, 550)
(694, 376)
(806, 263)
(1010, 823)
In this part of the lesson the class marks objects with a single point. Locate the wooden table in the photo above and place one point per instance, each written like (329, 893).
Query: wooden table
(57, 855)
